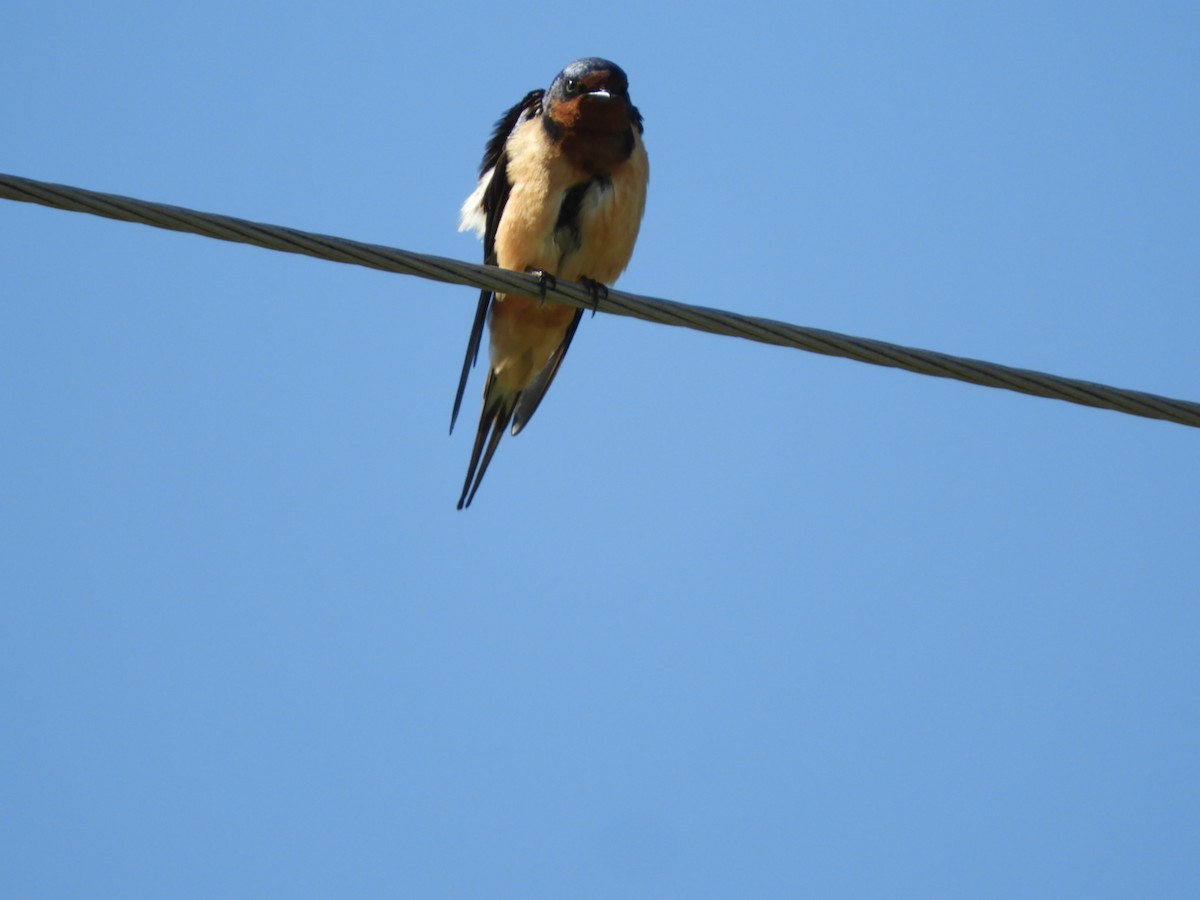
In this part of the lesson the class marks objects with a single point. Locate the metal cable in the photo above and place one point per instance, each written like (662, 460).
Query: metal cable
(666, 312)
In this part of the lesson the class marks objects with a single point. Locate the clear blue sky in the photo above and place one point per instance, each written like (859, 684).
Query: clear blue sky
(727, 620)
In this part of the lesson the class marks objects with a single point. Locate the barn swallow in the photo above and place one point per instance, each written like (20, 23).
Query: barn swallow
(561, 193)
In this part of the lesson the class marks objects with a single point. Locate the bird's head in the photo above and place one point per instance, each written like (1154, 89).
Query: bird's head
(590, 95)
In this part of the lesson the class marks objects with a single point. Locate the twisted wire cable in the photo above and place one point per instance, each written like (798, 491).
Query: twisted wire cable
(666, 312)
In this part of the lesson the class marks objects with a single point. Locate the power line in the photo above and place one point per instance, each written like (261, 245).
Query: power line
(666, 312)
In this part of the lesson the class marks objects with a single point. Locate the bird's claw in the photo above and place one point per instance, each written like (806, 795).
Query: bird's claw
(546, 282)
(597, 290)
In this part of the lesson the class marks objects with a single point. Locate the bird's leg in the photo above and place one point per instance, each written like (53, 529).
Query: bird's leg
(597, 290)
(546, 282)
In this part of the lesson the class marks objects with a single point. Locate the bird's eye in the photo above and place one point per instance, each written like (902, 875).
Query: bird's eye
(572, 85)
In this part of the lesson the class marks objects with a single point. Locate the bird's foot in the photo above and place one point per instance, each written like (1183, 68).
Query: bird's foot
(597, 290)
(546, 282)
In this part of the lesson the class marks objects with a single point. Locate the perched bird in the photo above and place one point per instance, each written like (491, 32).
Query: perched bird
(561, 193)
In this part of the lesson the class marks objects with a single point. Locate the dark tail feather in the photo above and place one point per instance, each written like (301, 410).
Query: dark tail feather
(532, 396)
(485, 298)
(498, 409)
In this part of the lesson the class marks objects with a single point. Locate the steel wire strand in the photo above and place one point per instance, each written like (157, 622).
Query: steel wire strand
(666, 312)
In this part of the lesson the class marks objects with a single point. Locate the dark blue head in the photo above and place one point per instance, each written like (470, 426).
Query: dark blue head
(591, 93)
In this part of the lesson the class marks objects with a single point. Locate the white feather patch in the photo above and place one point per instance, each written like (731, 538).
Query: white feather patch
(473, 216)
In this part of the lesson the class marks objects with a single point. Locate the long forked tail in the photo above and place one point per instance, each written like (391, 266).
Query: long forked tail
(485, 299)
(498, 408)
